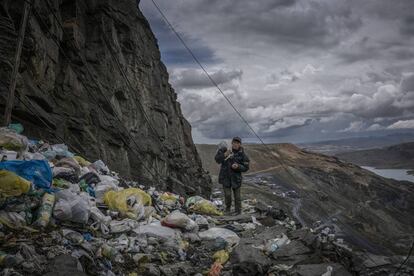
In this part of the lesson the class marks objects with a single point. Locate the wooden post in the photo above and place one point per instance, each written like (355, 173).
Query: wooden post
(13, 80)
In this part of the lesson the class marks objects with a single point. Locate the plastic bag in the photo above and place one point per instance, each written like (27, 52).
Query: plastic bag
(213, 233)
(158, 231)
(33, 156)
(71, 207)
(36, 171)
(192, 200)
(103, 187)
(90, 178)
(177, 219)
(169, 199)
(221, 257)
(222, 146)
(121, 226)
(12, 220)
(7, 155)
(68, 162)
(18, 128)
(274, 244)
(82, 161)
(100, 166)
(100, 221)
(12, 184)
(205, 207)
(215, 269)
(129, 202)
(61, 150)
(10, 140)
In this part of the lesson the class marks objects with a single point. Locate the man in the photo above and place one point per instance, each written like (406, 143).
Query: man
(233, 163)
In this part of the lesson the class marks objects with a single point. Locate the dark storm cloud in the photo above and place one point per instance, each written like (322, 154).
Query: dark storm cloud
(300, 23)
(172, 52)
(293, 68)
(407, 25)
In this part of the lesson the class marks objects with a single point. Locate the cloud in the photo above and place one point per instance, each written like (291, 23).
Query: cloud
(295, 69)
(195, 79)
(407, 124)
(354, 127)
(375, 127)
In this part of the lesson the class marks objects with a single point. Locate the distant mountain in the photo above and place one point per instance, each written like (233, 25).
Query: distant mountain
(399, 156)
(357, 143)
(372, 212)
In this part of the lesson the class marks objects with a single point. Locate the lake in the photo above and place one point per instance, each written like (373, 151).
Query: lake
(397, 174)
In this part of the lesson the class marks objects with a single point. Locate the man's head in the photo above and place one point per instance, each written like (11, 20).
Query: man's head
(236, 143)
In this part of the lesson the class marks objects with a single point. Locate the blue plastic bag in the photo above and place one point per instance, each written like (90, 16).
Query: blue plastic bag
(36, 171)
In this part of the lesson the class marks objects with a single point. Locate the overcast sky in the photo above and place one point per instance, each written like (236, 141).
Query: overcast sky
(298, 70)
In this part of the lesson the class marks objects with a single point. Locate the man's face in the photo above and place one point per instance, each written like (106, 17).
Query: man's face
(235, 145)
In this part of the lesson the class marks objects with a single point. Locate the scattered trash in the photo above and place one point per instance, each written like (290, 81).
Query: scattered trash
(274, 244)
(59, 210)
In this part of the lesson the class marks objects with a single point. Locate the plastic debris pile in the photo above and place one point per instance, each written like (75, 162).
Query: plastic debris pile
(62, 214)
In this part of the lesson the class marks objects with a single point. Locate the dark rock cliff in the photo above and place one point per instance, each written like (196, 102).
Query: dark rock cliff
(91, 70)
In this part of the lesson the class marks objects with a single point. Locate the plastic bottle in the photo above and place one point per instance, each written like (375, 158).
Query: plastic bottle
(45, 211)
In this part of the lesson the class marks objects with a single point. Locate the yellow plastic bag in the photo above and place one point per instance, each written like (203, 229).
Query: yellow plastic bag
(221, 256)
(169, 199)
(206, 207)
(12, 184)
(118, 201)
(82, 161)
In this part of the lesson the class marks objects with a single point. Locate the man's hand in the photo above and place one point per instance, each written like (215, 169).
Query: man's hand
(235, 166)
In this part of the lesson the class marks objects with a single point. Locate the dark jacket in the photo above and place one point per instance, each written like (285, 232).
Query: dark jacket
(229, 177)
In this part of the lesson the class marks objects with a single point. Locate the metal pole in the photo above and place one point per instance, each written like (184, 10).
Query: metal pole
(13, 81)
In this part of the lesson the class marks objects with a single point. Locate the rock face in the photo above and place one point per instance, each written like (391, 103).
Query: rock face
(91, 71)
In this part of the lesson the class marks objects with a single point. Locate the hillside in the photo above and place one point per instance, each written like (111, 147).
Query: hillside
(372, 212)
(399, 156)
(358, 143)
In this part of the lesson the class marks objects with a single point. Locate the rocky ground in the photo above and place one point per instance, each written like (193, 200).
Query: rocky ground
(371, 212)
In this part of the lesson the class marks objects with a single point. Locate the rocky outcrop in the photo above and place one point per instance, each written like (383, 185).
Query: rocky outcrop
(91, 71)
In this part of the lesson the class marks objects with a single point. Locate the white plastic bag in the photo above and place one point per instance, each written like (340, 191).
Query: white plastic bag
(177, 219)
(121, 226)
(71, 207)
(213, 233)
(156, 230)
(100, 167)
